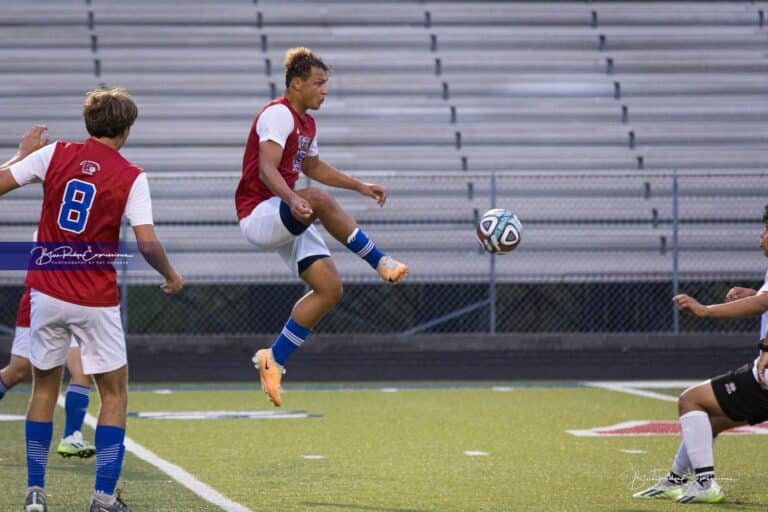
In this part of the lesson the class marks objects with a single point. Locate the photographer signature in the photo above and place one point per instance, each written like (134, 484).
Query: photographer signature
(67, 255)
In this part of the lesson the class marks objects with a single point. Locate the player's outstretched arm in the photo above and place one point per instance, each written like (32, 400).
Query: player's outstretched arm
(748, 306)
(154, 252)
(329, 175)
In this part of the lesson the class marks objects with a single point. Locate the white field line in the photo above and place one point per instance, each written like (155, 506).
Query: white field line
(630, 388)
(206, 492)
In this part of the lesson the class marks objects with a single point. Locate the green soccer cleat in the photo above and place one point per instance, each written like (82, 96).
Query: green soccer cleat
(663, 489)
(710, 492)
(74, 446)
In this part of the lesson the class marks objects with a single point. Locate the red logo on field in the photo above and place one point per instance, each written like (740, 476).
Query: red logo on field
(657, 428)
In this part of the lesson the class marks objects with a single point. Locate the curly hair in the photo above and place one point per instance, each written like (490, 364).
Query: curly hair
(109, 112)
(299, 62)
(765, 215)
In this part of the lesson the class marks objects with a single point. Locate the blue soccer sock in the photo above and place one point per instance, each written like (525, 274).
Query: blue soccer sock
(3, 388)
(75, 407)
(359, 243)
(109, 457)
(289, 339)
(38, 436)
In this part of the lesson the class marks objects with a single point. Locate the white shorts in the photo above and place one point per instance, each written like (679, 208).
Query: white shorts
(98, 331)
(264, 229)
(20, 345)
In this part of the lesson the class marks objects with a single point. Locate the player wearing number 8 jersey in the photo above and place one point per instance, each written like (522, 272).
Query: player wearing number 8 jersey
(86, 189)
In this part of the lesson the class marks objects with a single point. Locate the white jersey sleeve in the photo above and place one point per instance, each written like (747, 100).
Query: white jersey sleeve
(275, 123)
(34, 166)
(138, 208)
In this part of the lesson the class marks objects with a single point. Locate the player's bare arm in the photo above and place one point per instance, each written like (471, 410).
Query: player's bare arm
(737, 292)
(748, 306)
(762, 364)
(7, 183)
(153, 251)
(329, 175)
(270, 154)
(32, 140)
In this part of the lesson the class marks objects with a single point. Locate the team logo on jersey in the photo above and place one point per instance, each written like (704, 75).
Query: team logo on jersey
(89, 167)
(730, 387)
(303, 149)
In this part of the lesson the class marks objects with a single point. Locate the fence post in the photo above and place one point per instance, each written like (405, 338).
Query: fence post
(124, 281)
(675, 250)
(492, 276)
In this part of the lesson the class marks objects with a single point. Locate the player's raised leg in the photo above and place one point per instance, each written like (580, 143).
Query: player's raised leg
(343, 228)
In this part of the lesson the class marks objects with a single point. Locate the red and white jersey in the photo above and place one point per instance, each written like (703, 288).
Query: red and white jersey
(296, 134)
(86, 188)
(23, 313)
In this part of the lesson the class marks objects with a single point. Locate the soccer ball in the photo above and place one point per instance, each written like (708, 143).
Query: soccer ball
(499, 231)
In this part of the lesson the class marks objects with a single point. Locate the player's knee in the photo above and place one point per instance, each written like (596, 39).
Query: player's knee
(12, 376)
(319, 199)
(336, 292)
(687, 402)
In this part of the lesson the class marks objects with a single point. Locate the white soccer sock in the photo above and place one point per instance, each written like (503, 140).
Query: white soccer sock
(697, 438)
(681, 466)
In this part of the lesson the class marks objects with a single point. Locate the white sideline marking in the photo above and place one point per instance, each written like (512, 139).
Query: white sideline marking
(630, 388)
(593, 432)
(632, 452)
(502, 388)
(12, 417)
(475, 453)
(219, 415)
(203, 490)
(313, 457)
(163, 392)
(389, 390)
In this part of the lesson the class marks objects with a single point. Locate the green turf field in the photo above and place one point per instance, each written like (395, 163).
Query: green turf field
(404, 450)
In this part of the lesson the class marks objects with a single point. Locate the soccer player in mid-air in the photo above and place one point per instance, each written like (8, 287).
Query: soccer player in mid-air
(274, 215)
(18, 368)
(739, 397)
(86, 189)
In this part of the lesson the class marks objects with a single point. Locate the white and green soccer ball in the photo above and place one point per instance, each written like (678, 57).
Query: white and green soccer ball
(499, 231)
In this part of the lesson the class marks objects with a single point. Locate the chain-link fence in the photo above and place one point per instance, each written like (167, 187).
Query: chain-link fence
(601, 252)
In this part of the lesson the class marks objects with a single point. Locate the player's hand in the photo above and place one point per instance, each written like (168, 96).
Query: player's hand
(687, 303)
(737, 292)
(173, 285)
(374, 191)
(34, 139)
(762, 363)
(300, 208)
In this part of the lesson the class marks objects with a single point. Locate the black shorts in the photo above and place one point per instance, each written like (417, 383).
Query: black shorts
(740, 396)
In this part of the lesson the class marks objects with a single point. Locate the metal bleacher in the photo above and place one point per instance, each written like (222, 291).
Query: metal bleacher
(581, 109)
